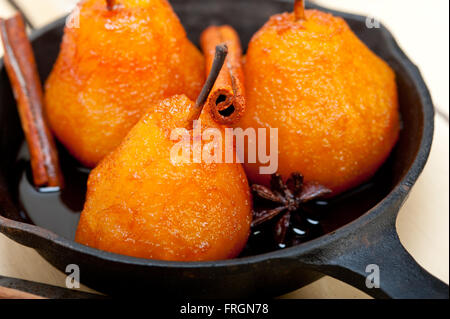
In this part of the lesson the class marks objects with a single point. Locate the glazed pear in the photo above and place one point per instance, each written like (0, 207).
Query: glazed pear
(142, 202)
(333, 101)
(122, 58)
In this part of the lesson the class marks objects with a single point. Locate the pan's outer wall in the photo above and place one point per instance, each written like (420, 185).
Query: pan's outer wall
(270, 274)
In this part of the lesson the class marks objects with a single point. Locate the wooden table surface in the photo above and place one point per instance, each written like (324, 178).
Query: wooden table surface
(423, 223)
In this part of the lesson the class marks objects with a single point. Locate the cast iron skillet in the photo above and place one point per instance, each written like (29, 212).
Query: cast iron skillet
(343, 254)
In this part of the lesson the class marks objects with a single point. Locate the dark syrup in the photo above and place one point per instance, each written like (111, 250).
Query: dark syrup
(55, 211)
(60, 212)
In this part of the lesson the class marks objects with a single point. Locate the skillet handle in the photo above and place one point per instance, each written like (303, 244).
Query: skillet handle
(375, 246)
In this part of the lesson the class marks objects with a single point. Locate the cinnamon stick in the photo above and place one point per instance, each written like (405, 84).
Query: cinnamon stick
(220, 54)
(22, 71)
(227, 99)
(299, 10)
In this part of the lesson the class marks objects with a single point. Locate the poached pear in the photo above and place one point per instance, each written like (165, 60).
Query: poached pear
(122, 58)
(332, 99)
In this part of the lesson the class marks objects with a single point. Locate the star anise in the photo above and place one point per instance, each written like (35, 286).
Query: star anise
(289, 197)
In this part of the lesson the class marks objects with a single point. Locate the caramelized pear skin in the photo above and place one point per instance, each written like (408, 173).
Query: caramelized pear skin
(141, 204)
(112, 68)
(333, 101)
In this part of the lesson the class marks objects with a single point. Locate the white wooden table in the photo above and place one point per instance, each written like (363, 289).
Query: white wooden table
(422, 29)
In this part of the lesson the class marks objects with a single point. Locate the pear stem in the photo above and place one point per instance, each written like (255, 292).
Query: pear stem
(299, 10)
(219, 60)
(110, 4)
